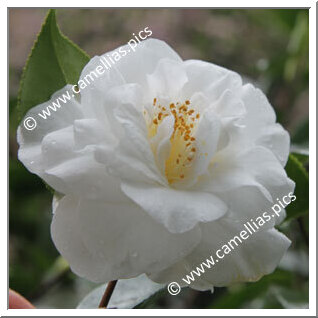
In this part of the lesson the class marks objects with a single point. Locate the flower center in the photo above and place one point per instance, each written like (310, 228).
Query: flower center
(182, 140)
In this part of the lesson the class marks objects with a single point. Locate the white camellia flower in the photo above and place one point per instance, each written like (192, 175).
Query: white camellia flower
(159, 163)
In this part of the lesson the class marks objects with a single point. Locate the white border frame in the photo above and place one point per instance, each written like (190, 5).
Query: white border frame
(312, 159)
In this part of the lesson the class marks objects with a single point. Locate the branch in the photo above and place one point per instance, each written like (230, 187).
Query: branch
(108, 293)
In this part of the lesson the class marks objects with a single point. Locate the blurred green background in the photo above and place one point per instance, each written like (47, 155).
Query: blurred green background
(267, 47)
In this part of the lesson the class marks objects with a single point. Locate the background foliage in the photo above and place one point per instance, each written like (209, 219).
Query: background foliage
(268, 47)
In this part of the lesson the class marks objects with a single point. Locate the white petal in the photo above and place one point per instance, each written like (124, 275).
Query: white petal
(179, 211)
(256, 167)
(134, 148)
(167, 80)
(104, 241)
(94, 85)
(64, 159)
(132, 67)
(259, 125)
(61, 118)
(246, 203)
(255, 257)
(83, 176)
(229, 106)
(91, 132)
(277, 139)
(132, 156)
(207, 136)
(130, 95)
(259, 110)
(160, 143)
(135, 65)
(210, 79)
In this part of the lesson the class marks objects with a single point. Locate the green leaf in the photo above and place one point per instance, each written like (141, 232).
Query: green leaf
(304, 159)
(290, 298)
(299, 149)
(301, 136)
(21, 180)
(54, 62)
(296, 171)
(244, 293)
(152, 301)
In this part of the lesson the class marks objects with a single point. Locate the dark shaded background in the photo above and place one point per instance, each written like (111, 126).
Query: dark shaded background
(267, 47)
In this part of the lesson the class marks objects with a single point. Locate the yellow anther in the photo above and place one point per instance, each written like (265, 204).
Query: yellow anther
(182, 150)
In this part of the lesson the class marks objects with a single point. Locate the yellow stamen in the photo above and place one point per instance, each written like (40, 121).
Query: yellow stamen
(182, 140)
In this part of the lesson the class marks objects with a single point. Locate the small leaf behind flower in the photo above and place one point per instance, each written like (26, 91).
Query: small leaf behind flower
(296, 171)
(128, 293)
(245, 293)
(54, 62)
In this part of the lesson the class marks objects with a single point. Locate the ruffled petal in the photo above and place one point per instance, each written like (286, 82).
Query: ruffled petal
(207, 137)
(210, 79)
(167, 80)
(134, 150)
(60, 118)
(64, 157)
(247, 261)
(247, 202)
(129, 66)
(178, 210)
(276, 139)
(103, 241)
(256, 167)
(259, 125)
(135, 66)
(160, 143)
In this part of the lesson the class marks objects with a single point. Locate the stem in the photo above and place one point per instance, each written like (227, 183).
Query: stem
(107, 294)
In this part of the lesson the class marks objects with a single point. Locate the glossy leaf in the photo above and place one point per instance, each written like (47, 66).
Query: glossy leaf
(298, 173)
(54, 62)
(245, 293)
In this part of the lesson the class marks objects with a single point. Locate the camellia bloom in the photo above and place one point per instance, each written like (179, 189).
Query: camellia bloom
(158, 164)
